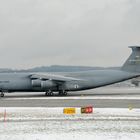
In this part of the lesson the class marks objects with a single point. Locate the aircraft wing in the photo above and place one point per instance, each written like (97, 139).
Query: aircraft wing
(53, 77)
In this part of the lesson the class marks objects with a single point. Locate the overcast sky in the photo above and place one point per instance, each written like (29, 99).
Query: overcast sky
(67, 32)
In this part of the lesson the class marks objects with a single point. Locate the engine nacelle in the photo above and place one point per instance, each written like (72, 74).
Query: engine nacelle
(48, 84)
(39, 84)
(36, 83)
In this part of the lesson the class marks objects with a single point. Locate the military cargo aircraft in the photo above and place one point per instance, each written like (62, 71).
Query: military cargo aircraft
(74, 81)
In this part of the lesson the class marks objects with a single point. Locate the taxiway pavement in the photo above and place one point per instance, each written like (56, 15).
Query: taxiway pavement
(99, 98)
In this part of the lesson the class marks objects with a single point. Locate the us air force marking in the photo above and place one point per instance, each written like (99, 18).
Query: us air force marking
(76, 86)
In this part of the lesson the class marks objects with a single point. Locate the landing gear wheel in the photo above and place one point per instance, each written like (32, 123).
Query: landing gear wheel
(49, 93)
(63, 93)
(2, 94)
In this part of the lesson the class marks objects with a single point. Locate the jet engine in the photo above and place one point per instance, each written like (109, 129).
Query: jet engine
(36, 83)
(47, 84)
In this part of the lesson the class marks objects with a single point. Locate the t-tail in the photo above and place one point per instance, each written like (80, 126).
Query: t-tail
(133, 62)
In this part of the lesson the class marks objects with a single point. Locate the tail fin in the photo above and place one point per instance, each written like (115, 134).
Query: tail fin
(133, 62)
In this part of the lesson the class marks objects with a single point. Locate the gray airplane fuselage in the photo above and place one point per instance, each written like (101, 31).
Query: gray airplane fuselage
(13, 82)
(74, 81)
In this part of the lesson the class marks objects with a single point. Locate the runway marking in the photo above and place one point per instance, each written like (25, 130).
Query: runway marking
(73, 98)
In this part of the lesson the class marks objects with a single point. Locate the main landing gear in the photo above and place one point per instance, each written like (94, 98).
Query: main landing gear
(63, 93)
(1, 94)
(60, 93)
(49, 93)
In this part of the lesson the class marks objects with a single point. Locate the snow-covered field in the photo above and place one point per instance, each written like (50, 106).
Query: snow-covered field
(51, 123)
(67, 129)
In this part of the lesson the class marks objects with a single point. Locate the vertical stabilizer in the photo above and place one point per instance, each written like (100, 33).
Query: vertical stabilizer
(133, 62)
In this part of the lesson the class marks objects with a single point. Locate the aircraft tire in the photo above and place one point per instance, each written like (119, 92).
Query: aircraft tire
(49, 93)
(2, 95)
(63, 93)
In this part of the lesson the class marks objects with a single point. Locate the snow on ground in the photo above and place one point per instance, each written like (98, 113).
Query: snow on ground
(67, 129)
(51, 123)
(40, 113)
